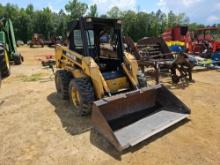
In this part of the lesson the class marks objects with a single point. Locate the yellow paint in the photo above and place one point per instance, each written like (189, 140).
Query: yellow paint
(75, 97)
(69, 58)
(7, 60)
(81, 66)
(91, 69)
(116, 84)
(172, 43)
(77, 73)
(133, 82)
(130, 67)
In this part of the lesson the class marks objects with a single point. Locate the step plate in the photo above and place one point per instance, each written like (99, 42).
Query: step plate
(147, 127)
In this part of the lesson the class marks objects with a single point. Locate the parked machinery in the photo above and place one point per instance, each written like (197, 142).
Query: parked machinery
(153, 52)
(102, 78)
(8, 49)
(178, 38)
(203, 42)
(206, 42)
(37, 39)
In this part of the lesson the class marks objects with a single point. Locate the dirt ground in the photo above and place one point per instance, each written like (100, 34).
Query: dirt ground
(36, 127)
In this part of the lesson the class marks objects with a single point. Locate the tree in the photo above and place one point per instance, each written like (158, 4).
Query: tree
(114, 12)
(30, 9)
(76, 8)
(93, 11)
(182, 19)
(162, 22)
(171, 19)
(2, 9)
(129, 27)
(135, 24)
(23, 26)
(11, 11)
(60, 23)
(42, 22)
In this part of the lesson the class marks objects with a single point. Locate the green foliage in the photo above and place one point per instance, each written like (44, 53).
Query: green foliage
(30, 10)
(76, 8)
(23, 26)
(2, 10)
(115, 12)
(143, 24)
(42, 22)
(49, 23)
(93, 11)
(194, 26)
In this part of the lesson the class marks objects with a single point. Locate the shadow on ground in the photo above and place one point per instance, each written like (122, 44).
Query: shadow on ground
(182, 85)
(72, 123)
(75, 125)
(165, 78)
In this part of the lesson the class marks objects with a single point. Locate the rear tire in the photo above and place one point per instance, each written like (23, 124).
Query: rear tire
(62, 79)
(4, 63)
(82, 95)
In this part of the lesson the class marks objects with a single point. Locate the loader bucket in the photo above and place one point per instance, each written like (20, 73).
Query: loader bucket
(129, 118)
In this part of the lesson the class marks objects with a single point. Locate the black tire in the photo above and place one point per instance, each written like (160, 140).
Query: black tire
(17, 59)
(62, 79)
(0, 79)
(86, 94)
(4, 64)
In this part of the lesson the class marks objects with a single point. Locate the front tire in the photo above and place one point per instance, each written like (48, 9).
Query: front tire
(82, 95)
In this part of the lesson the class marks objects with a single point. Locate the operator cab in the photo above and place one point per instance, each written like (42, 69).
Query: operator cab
(99, 38)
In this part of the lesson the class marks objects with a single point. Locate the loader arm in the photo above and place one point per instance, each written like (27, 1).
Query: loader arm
(9, 38)
(81, 66)
(130, 67)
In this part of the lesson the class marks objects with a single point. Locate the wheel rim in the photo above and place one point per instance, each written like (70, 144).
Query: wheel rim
(75, 97)
(7, 60)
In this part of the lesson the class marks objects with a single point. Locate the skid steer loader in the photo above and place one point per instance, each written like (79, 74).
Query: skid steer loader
(97, 76)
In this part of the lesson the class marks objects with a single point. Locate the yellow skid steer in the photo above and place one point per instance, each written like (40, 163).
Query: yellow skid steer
(98, 77)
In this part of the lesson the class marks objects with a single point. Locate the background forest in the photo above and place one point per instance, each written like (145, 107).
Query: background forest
(27, 20)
